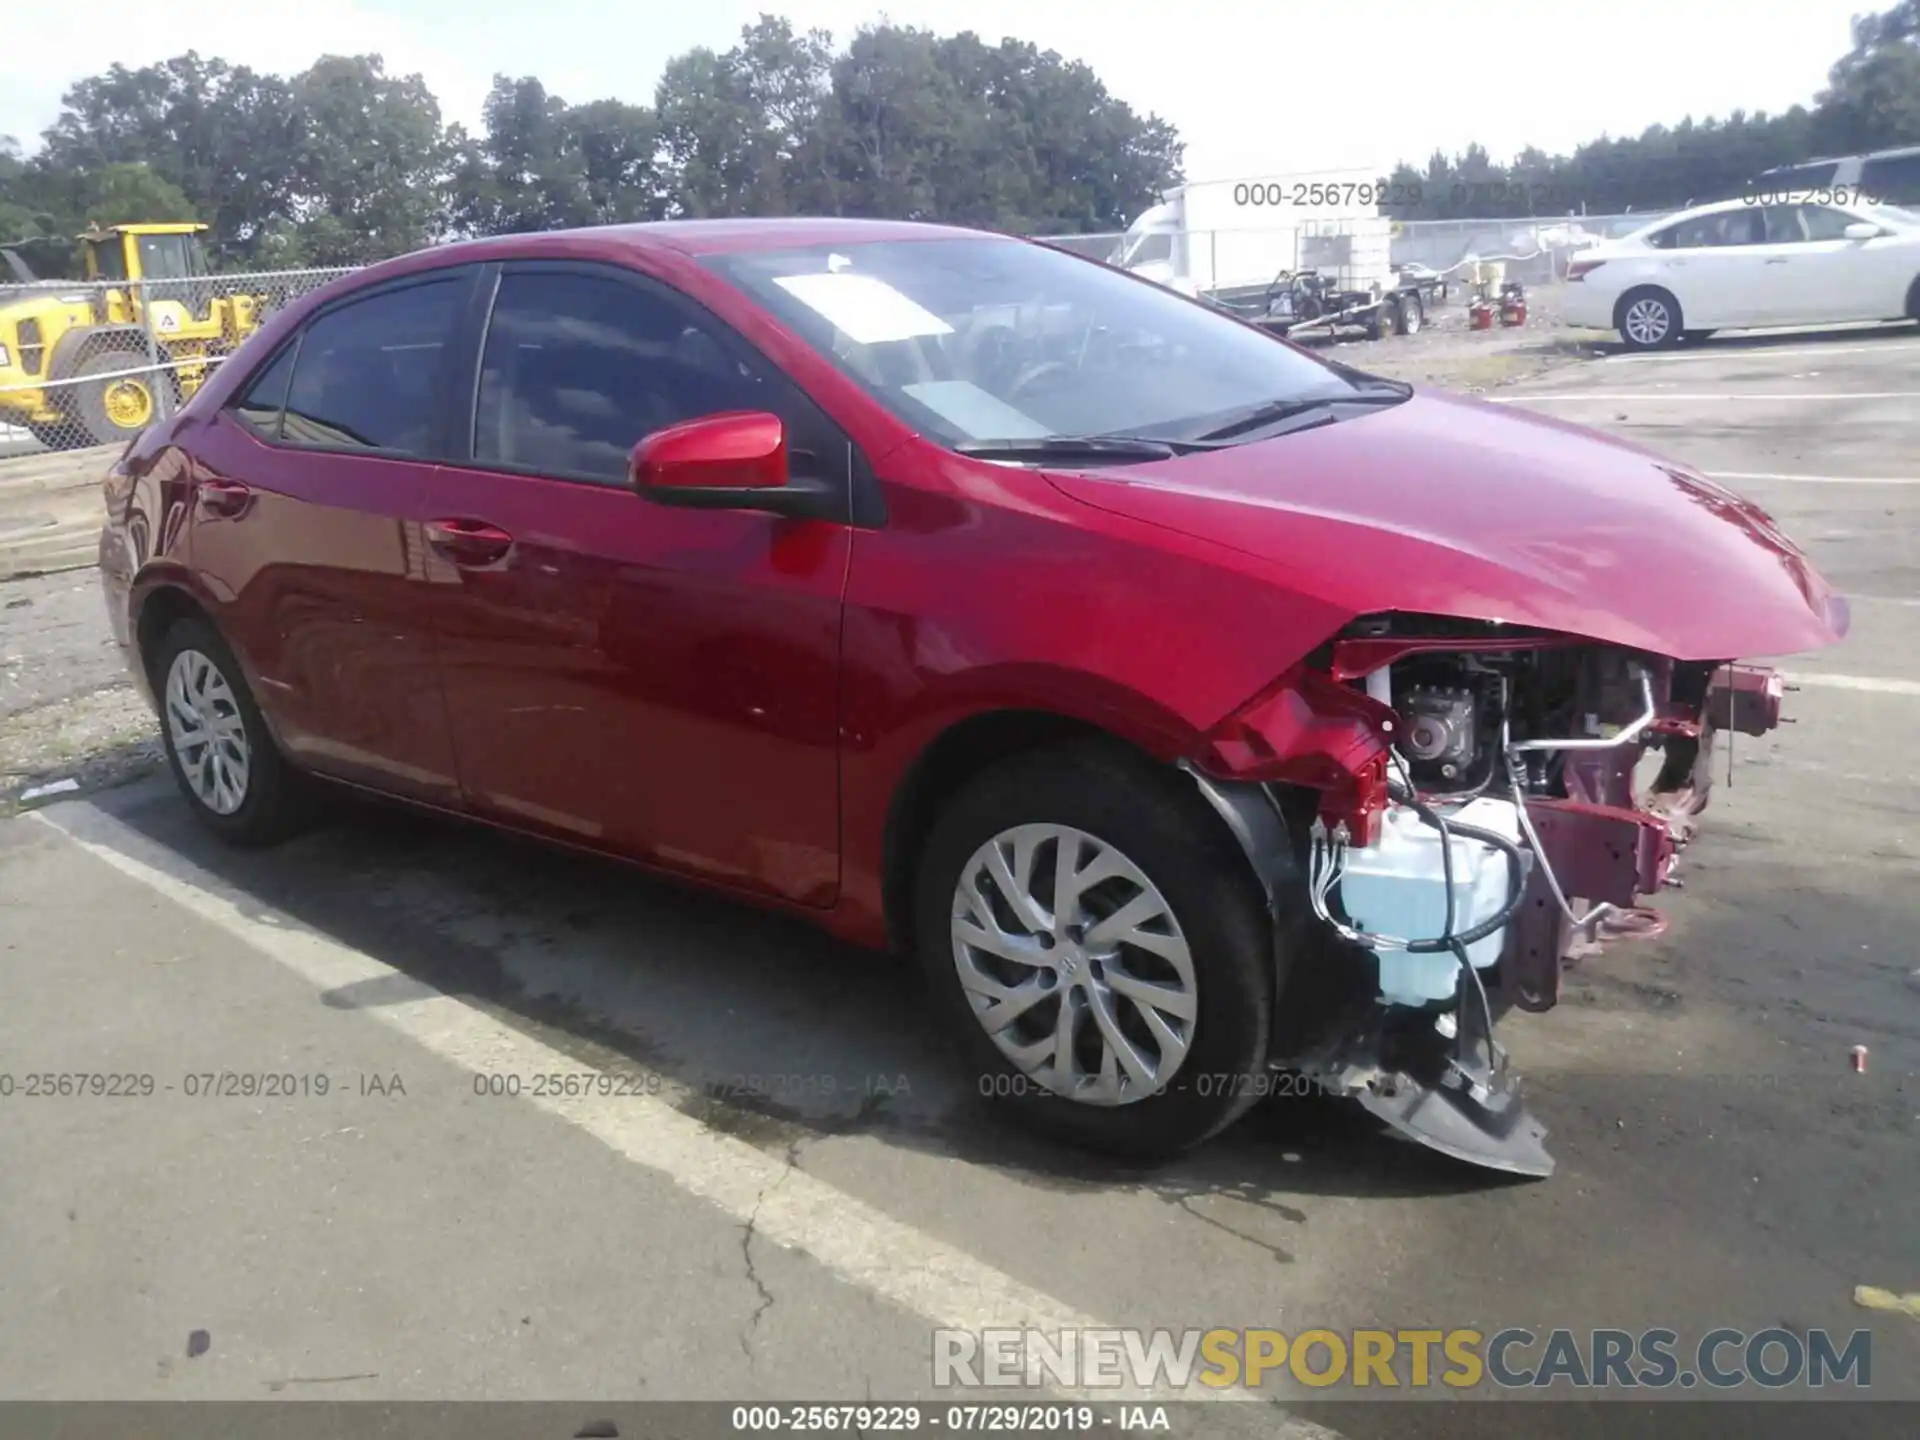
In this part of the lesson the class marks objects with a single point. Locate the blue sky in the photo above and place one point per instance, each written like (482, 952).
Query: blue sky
(1513, 72)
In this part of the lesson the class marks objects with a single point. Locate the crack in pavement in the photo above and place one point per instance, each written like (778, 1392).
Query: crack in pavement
(764, 1302)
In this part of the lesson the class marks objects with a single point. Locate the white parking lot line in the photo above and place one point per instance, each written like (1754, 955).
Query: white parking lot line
(1728, 353)
(1873, 684)
(1616, 397)
(783, 1203)
(1815, 479)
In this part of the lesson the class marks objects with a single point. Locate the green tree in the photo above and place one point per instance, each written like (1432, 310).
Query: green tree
(223, 135)
(1873, 97)
(747, 130)
(543, 164)
(370, 160)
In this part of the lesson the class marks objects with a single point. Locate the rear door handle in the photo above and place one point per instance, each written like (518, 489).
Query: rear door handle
(1776, 259)
(226, 499)
(468, 542)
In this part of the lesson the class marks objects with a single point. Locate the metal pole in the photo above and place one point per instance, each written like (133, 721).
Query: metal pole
(157, 378)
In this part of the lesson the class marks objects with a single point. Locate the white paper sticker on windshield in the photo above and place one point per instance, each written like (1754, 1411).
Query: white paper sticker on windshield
(868, 311)
(966, 405)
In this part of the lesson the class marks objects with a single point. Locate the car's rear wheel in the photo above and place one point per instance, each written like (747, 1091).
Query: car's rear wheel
(1648, 319)
(1098, 946)
(218, 747)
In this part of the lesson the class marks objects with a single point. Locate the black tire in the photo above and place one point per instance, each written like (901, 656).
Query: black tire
(1156, 818)
(61, 435)
(1913, 299)
(277, 800)
(90, 398)
(1665, 335)
(1695, 337)
(1383, 320)
(1413, 314)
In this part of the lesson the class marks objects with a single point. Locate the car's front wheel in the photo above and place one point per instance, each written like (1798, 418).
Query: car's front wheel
(1097, 943)
(1648, 320)
(218, 748)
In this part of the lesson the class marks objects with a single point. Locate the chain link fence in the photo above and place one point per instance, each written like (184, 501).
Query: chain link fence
(1533, 251)
(87, 363)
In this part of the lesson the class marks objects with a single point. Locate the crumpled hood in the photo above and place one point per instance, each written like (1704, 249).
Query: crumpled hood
(1448, 506)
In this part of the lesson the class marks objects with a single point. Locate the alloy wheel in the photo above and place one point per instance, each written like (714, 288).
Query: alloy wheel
(208, 732)
(1074, 964)
(1647, 321)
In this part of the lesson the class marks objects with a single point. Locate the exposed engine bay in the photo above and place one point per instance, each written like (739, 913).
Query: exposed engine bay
(1534, 791)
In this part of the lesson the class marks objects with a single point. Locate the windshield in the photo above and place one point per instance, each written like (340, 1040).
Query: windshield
(977, 338)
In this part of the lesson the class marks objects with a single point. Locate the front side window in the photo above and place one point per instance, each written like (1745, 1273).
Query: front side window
(1152, 249)
(259, 408)
(1823, 222)
(368, 374)
(168, 257)
(579, 367)
(976, 339)
(1722, 228)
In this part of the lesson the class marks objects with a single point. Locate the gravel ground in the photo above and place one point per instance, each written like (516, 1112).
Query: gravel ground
(67, 710)
(1449, 355)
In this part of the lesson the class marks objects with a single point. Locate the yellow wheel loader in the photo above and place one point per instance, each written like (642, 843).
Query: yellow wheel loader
(78, 367)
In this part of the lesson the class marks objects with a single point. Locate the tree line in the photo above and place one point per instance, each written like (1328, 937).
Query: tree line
(1872, 102)
(344, 163)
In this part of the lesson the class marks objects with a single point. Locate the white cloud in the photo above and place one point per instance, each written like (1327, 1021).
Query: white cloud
(1252, 88)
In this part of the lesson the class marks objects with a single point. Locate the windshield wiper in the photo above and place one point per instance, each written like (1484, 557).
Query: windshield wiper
(1096, 448)
(1272, 412)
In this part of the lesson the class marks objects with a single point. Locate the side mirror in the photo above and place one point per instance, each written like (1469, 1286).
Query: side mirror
(1863, 230)
(736, 460)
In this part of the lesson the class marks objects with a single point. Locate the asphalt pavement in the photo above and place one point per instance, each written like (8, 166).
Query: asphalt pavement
(777, 1185)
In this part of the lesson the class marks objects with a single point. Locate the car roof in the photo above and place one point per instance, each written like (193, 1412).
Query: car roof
(718, 236)
(1898, 152)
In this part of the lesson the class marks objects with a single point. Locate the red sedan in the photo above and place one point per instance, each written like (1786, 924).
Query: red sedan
(1198, 710)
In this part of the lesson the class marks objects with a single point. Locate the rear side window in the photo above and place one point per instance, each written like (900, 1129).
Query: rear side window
(259, 408)
(580, 367)
(1892, 179)
(368, 375)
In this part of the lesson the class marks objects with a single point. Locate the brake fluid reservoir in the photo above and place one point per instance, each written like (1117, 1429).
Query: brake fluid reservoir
(1397, 886)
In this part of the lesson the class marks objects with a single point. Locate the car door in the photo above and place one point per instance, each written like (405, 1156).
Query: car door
(306, 524)
(1710, 264)
(1818, 276)
(657, 682)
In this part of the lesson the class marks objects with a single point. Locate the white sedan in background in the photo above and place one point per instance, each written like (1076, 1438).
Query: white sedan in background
(1740, 265)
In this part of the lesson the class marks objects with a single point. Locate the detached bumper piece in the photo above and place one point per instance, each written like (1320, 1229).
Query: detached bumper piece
(1449, 1089)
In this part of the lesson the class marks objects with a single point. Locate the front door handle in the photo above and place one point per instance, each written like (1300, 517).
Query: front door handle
(225, 499)
(1776, 259)
(468, 542)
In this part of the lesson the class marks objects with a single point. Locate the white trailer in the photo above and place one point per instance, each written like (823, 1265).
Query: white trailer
(1255, 242)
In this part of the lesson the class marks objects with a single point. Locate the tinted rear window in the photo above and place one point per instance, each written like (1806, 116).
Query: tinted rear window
(1892, 179)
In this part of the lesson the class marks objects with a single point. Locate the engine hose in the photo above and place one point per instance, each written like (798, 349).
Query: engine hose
(1517, 873)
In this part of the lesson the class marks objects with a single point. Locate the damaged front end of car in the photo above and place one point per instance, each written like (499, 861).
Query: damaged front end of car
(1448, 814)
